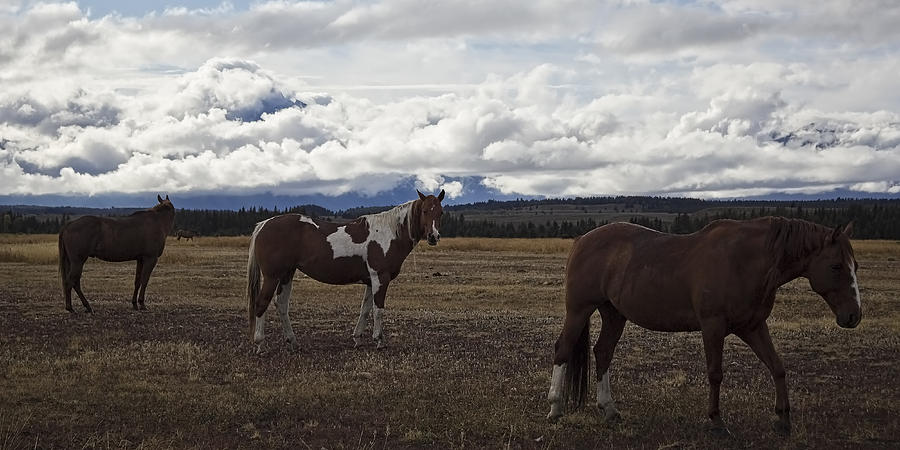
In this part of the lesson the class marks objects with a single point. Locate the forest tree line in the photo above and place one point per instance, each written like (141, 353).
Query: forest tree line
(873, 219)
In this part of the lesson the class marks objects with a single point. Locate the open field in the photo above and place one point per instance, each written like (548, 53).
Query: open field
(471, 325)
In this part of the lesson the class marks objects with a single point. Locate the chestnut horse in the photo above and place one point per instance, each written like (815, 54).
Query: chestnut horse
(719, 280)
(369, 250)
(140, 236)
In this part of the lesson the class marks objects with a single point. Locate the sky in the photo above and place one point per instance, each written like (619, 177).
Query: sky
(545, 98)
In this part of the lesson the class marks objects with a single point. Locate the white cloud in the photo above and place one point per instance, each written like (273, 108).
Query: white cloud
(543, 98)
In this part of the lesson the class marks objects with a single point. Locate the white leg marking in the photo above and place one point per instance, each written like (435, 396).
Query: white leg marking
(260, 334)
(556, 388)
(364, 311)
(283, 302)
(377, 329)
(604, 394)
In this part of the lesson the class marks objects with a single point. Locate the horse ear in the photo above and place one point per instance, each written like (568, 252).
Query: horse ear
(835, 234)
(159, 198)
(441, 196)
(848, 230)
(421, 195)
(167, 196)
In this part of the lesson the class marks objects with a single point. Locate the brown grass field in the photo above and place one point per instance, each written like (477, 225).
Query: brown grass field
(471, 325)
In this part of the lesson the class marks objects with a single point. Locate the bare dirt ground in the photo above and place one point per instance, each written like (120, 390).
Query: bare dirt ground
(470, 332)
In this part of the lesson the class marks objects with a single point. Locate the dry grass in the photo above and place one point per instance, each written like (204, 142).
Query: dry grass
(471, 325)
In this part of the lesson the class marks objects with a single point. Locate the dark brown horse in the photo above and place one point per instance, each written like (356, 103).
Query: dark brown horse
(369, 250)
(188, 235)
(719, 280)
(140, 236)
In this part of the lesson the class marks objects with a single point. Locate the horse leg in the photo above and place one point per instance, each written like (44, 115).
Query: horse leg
(610, 333)
(573, 328)
(761, 343)
(137, 282)
(365, 310)
(269, 285)
(713, 343)
(75, 282)
(283, 301)
(147, 267)
(379, 289)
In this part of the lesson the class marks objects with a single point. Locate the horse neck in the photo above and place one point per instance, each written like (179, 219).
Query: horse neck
(793, 242)
(413, 222)
(165, 218)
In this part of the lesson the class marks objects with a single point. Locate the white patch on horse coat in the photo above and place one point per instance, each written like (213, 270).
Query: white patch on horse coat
(604, 394)
(434, 230)
(854, 285)
(383, 228)
(308, 220)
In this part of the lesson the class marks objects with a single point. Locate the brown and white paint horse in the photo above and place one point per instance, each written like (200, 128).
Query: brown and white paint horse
(720, 280)
(369, 250)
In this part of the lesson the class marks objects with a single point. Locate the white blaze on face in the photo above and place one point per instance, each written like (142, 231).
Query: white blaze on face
(854, 285)
(434, 230)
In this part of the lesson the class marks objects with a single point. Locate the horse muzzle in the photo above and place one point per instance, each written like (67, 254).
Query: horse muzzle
(850, 320)
(433, 238)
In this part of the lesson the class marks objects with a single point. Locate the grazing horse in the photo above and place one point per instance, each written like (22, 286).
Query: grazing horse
(140, 236)
(719, 280)
(369, 250)
(188, 235)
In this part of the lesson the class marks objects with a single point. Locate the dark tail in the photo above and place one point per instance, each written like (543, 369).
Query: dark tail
(253, 280)
(576, 382)
(63, 263)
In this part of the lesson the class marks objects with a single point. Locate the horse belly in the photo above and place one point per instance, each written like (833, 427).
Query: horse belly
(343, 270)
(658, 309)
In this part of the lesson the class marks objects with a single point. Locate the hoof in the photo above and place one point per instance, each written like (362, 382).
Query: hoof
(143, 307)
(782, 427)
(134, 305)
(70, 309)
(358, 341)
(611, 414)
(380, 344)
(89, 310)
(555, 413)
(293, 346)
(720, 431)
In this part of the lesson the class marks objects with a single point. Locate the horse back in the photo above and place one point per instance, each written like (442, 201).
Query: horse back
(115, 239)
(293, 241)
(670, 282)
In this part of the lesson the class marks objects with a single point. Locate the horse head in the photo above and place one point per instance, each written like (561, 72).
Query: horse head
(430, 216)
(832, 274)
(164, 202)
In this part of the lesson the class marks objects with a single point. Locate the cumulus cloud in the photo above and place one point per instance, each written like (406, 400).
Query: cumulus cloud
(629, 97)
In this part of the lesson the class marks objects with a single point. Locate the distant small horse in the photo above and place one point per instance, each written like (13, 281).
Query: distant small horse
(719, 280)
(140, 236)
(369, 250)
(188, 235)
